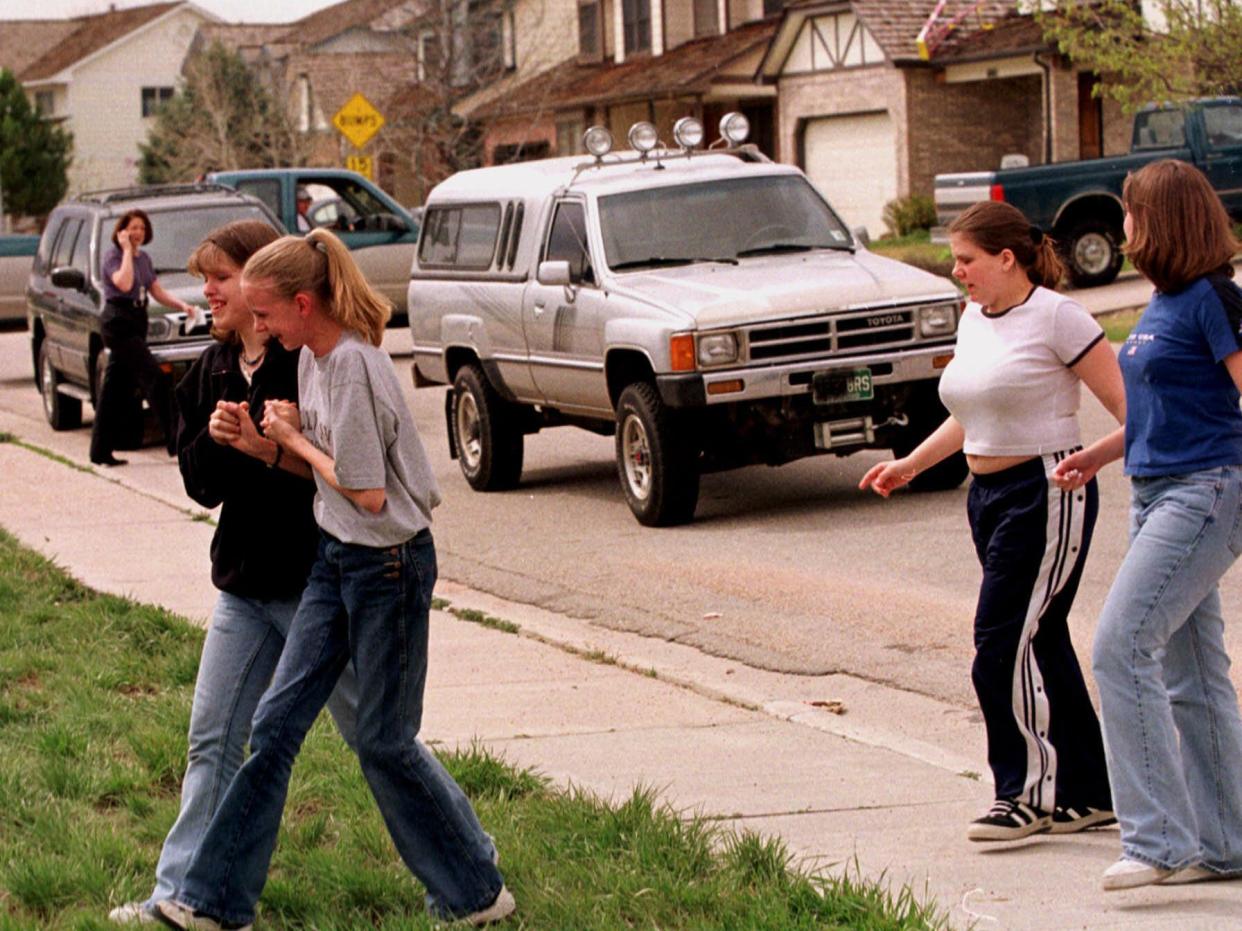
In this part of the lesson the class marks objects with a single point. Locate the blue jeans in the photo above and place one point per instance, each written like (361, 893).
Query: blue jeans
(372, 604)
(242, 647)
(1171, 725)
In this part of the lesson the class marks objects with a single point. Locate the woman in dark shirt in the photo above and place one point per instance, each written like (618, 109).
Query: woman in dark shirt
(262, 551)
(128, 278)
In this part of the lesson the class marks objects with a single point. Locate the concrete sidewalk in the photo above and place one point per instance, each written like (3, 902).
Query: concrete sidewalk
(846, 771)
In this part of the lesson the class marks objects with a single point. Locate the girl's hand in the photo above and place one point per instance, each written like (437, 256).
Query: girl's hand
(1075, 470)
(886, 477)
(281, 420)
(224, 425)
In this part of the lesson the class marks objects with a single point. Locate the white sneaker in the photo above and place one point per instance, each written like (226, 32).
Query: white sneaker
(502, 908)
(1190, 874)
(1128, 874)
(134, 913)
(179, 915)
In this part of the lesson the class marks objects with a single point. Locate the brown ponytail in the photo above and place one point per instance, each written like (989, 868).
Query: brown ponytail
(321, 265)
(995, 226)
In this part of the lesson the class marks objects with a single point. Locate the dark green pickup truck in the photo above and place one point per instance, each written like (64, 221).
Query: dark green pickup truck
(1079, 203)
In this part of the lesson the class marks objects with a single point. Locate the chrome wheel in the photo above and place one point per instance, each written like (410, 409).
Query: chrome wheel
(47, 388)
(469, 442)
(636, 456)
(1093, 253)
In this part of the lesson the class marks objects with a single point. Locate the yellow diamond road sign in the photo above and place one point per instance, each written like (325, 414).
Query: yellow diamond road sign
(358, 121)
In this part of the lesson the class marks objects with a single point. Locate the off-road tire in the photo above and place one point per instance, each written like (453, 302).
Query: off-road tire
(657, 459)
(61, 411)
(486, 434)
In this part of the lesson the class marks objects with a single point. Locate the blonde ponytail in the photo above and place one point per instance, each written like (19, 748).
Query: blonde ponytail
(321, 265)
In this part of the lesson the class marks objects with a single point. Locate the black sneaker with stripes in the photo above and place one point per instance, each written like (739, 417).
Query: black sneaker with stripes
(1009, 819)
(1070, 819)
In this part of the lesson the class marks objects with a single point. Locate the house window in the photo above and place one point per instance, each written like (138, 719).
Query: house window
(569, 136)
(45, 103)
(772, 7)
(706, 18)
(428, 55)
(153, 98)
(590, 33)
(637, 19)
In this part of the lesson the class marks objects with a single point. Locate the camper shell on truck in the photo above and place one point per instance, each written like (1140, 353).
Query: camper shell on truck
(707, 309)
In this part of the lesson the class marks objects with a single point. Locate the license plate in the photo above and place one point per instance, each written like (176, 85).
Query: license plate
(841, 386)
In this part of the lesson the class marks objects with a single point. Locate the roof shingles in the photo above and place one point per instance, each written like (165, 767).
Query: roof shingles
(90, 35)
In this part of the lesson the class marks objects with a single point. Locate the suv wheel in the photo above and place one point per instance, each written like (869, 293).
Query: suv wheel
(926, 415)
(61, 411)
(657, 462)
(488, 441)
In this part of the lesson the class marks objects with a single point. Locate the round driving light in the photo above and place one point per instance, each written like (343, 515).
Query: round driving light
(643, 137)
(688, 132)
(734, 128)
(598, 141)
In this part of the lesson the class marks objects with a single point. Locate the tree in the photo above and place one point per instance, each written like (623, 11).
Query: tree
(221, 118)
(34, 154)
(1152, 51)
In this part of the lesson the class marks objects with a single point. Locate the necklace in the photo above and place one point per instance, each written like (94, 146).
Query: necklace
(256, 360)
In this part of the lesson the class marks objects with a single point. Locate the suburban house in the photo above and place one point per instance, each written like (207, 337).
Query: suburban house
(615, 62)
(870, 116)
(82, 72)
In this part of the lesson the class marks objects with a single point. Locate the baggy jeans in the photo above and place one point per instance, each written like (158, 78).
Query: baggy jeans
(243, 644)
(1044, 742)
(373, 604)
(1171, 722)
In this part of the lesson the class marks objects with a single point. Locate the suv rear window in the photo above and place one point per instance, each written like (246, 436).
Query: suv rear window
(460, 237)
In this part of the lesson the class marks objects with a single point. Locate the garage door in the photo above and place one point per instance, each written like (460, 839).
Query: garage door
(853, 161)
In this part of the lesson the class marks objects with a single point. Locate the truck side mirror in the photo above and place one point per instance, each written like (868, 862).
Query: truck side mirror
(553, 273)
(67, 277)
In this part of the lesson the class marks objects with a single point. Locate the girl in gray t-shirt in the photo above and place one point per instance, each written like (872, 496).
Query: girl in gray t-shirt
(367, 601)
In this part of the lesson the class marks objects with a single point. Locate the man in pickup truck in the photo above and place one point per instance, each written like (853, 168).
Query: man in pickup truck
(303, 202)
(1012, 391)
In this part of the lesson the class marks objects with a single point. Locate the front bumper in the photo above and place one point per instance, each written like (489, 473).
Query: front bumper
(794, 379)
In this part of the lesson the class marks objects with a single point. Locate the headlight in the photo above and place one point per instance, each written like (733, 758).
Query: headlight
(734, 128)
(938, 320)
(598, 141)
(643, 137)
(688, 132)
(159, 329)
(717, 349)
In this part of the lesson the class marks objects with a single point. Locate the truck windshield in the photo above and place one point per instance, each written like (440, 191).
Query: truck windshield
(716, 221)
(177, 233)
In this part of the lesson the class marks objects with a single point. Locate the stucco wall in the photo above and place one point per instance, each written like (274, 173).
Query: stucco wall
(968, 126)
(104, 100)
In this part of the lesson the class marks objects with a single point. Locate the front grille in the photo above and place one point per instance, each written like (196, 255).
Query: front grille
(855, 331)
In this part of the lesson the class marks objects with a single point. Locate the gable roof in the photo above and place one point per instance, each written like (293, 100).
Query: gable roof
(349, 14)
(1014, 34)
(689, 68)
(22, 41)
(92, 34)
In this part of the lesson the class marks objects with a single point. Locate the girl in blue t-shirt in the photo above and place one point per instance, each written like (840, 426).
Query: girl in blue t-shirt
(1171, 724)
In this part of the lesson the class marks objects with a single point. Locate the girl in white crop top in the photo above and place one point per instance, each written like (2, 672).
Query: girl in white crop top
(1012, 391)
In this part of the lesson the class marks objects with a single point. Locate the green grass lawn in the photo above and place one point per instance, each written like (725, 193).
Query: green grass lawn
(94, 706)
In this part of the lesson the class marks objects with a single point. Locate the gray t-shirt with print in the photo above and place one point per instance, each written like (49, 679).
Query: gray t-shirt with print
(353, 409)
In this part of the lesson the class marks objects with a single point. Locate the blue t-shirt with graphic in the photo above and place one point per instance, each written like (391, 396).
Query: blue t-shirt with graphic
(1182, 410)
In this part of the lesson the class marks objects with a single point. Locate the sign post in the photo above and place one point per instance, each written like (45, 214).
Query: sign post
(358, 121)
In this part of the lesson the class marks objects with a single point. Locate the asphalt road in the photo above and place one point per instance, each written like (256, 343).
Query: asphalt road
(790, 569)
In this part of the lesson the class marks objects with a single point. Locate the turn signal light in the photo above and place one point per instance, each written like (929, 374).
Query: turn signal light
(939, 362)
(681, 352)
(731, 386)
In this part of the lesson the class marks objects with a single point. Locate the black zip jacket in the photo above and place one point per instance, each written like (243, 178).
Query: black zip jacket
(266, 537)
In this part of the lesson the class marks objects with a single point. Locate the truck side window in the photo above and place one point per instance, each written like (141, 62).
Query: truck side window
(461, 237)
(567, 242)
(43, 258)
(1223, 124)
(266, 189)
(1160, 129)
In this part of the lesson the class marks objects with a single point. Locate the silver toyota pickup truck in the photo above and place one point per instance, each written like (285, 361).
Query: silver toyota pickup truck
(705, 307)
